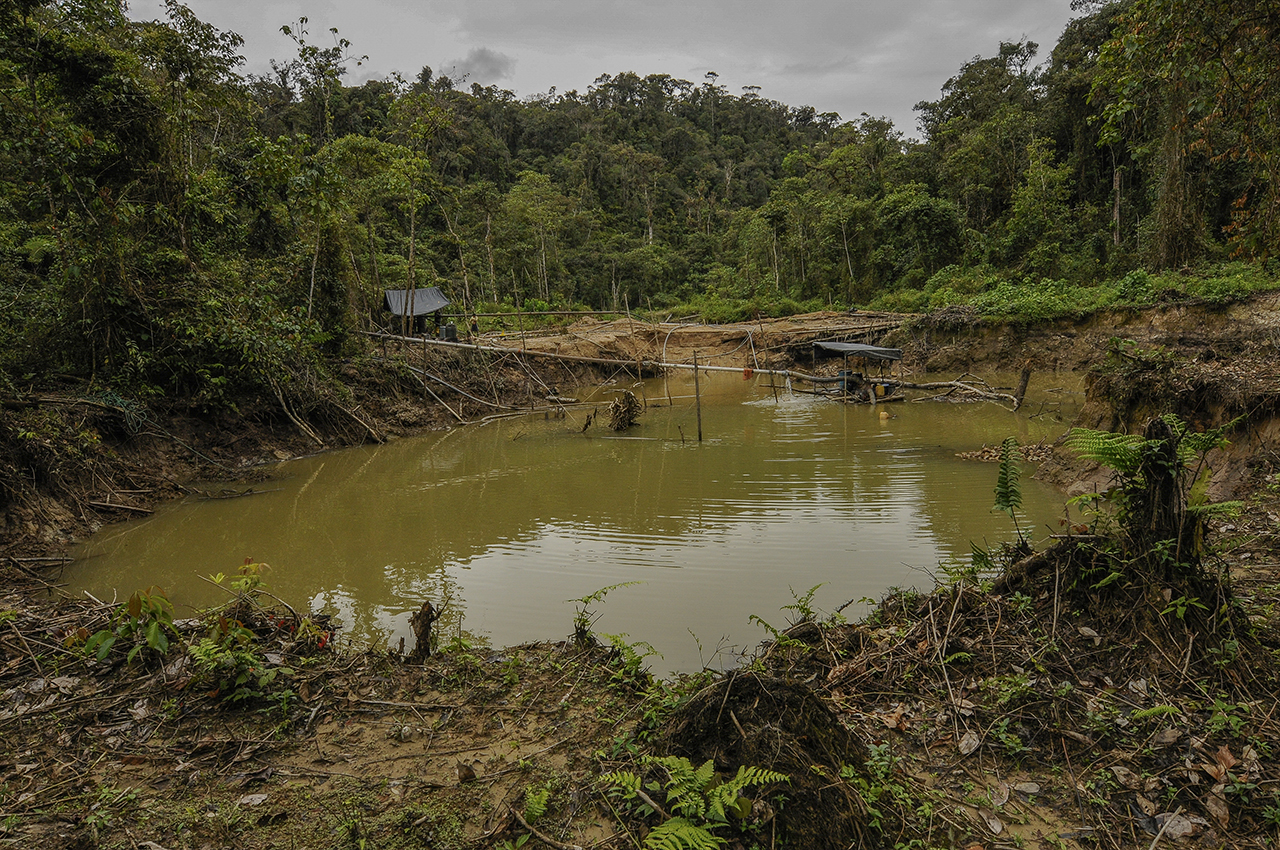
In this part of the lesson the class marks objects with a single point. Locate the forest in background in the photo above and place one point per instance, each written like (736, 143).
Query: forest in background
(175, 232)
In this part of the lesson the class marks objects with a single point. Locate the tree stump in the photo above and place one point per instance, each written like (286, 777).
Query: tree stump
(624, 411)
(421, 623)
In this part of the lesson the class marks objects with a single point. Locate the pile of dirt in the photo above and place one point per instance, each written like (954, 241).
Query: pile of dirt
(1031, 453)
(747, 719)
(1132, 385)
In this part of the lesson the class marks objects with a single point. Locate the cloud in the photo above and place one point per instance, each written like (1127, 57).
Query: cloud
(846, 56)
(481, 65)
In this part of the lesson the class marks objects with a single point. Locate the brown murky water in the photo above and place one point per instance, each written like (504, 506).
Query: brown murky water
(509, 520)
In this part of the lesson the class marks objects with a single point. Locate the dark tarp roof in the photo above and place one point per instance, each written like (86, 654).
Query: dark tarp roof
(426, 300)
(857, 349)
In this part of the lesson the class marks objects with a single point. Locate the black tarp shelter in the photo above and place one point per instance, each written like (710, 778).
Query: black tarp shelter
(425, 300)
(853, 382)
(415, 306)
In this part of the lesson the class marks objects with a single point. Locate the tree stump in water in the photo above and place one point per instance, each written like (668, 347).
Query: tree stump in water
(421, 623)
(624, 411)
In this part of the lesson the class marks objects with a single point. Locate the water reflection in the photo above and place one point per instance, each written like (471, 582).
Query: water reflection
(509, 520)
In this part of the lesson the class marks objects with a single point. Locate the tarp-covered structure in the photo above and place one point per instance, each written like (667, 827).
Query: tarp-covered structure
(858, 349)
(425, 300)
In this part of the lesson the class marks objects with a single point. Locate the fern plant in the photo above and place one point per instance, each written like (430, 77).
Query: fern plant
(535, 803)
(584, 618)
(1008, 492)
(1119, 452)
(1159, 496)
(630, 668)
(700, 799)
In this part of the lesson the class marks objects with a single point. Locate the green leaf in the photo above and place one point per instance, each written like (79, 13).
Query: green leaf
(1008, 493)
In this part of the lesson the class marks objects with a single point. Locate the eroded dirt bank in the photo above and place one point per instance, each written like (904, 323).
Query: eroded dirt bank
(1033, 711)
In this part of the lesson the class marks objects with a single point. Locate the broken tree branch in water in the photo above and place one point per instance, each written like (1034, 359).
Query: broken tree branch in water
(205, 495)
(960, 389)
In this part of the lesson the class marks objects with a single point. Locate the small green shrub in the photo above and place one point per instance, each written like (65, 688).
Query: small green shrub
(144, 622)
(700, 801)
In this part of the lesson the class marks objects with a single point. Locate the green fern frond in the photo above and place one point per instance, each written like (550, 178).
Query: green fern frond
(623, 780)
(1228, 508)
(1155, 711)
(535, 803)
(1192, 444)
(699, 798)
(1008, 493)
(1121, 452)
(703, 776)
(727, 797)
(685, 784)
(681, 834)
(751, 776)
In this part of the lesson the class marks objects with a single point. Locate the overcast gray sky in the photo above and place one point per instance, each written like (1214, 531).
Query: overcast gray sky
(846, 56)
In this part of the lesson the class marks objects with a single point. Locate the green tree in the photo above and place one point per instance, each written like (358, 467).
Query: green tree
(1038, 233)
(1215, 68)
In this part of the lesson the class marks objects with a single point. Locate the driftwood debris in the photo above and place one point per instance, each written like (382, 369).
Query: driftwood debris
(118, 507)
(421, 623)
(228, 493)
(624, 411)
(966, 388)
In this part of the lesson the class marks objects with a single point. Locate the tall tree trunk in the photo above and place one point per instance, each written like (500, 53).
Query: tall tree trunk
(373, 264)
(1115, 210)
(542, 267)
(462, 259)
(413, 269)
(847, 259)
(488, 245)
(777, 273)
(315, 259)
(1177, 225)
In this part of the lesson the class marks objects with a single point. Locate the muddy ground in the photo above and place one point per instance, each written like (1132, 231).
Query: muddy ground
(980, 715)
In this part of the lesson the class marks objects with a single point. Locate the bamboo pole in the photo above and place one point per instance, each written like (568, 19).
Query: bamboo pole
(601, 361)
(536, 313)
(697, 394)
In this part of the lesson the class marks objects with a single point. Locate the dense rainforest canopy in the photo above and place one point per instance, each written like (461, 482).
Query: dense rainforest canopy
(172, 228)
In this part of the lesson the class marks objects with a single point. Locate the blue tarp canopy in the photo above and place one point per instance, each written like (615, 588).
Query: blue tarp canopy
(857, 349)
(427, 299)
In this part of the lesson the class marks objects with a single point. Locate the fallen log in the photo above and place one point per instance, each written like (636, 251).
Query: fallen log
(975, 390)
(118, 507)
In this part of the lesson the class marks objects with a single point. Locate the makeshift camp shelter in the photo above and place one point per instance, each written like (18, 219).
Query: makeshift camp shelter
(858, 349)
(415, 305)
(855, 386)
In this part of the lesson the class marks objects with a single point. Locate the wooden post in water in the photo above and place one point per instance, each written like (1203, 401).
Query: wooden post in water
(640, 377)
(697, 395)
(1021, 392)
(424, 369)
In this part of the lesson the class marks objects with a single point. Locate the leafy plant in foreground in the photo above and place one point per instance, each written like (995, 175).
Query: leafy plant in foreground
(1161, 479)
(700, 800)
(229, 654)
(1008, 492)
(803, 605)
(584, 618)
(630, 669)
(145, 621)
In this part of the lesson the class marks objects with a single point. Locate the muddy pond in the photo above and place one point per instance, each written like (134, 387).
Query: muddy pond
(508, 520)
